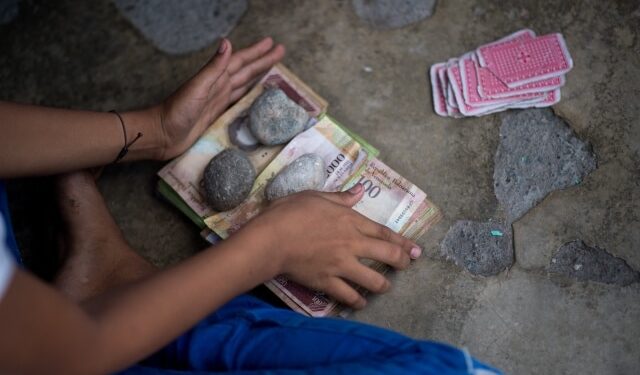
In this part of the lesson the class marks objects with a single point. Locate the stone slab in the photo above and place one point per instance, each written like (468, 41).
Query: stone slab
(483, 248)
(179, 27)
(581, 262)
(538, 153)
(392, 14)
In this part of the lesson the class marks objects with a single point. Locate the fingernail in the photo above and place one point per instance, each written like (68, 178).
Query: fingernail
(355, 189)
(361, 304)
(223, 47)
(415, 252)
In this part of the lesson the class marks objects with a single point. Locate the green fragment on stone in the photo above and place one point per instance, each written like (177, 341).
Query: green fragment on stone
(496, 233)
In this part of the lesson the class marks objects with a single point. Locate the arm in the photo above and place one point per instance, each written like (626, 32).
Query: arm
(39, 140)
(42, 332)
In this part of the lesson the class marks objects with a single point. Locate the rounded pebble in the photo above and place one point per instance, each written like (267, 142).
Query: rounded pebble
(307, 172)
(275, 119)
(228, 179)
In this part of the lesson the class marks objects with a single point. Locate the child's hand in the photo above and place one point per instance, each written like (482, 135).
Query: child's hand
(318, 240)
(184, 116)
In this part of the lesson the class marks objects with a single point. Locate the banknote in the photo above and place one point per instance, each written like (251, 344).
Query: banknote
(389, 199)
(184, 174)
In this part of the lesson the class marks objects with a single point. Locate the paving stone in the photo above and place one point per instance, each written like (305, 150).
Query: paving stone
(538, 153)
(483, 248)
(179, 27)
(579, 261)
(390, 14)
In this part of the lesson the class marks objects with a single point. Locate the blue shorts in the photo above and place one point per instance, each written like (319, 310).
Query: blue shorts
(249, 336)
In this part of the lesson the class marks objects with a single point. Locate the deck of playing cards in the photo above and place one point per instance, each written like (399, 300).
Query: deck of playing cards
(521, 70)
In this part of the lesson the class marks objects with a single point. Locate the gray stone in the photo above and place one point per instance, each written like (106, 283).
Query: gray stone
(9, 10)
(228, 179)
(482, 248)
(392, 14)
(274, 118)
(179, 27)
(538, 153)
(307, 172)
(579, 261)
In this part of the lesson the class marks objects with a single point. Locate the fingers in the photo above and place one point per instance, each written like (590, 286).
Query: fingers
(366, 277)
(217, 65)
(379, 231)
(251, 69)
(344, 293)
(346, 198)
(384, 252)
(215, 107)
(249, 54)
(239, 92)
(371, 228)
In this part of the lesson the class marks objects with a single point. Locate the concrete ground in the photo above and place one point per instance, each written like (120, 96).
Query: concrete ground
(86, 55)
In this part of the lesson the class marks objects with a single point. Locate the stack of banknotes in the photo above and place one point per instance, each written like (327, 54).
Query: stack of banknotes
(389, 198)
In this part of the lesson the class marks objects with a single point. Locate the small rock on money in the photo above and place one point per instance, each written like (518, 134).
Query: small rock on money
(228, 179)
(305, 173)
(275, 119)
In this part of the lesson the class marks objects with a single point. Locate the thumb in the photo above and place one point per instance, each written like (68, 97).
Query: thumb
(218, 63)
(346, 198)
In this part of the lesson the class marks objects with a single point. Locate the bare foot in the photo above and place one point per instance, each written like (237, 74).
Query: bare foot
(97, 257)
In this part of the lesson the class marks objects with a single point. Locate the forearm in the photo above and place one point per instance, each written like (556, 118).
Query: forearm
(40, 140)
(129, 324)
(160, 308)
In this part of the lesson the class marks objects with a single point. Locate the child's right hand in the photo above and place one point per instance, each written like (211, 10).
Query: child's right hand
(317, 239)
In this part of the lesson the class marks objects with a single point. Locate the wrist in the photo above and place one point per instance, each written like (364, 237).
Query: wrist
(259, 243)
(150, 145)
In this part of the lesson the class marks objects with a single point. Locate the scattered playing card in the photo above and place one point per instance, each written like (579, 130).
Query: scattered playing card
(522, 61)
(471, 87)
(439, 100)
(521, 70)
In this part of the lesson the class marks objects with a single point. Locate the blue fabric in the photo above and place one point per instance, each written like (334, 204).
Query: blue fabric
(248, 336)
(12, 245)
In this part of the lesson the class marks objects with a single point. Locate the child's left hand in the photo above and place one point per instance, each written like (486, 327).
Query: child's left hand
(184, 116)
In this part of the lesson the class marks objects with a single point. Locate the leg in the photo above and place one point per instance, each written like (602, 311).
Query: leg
(97, 257)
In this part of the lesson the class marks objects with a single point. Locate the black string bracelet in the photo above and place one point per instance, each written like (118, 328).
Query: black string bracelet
(125, 148)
